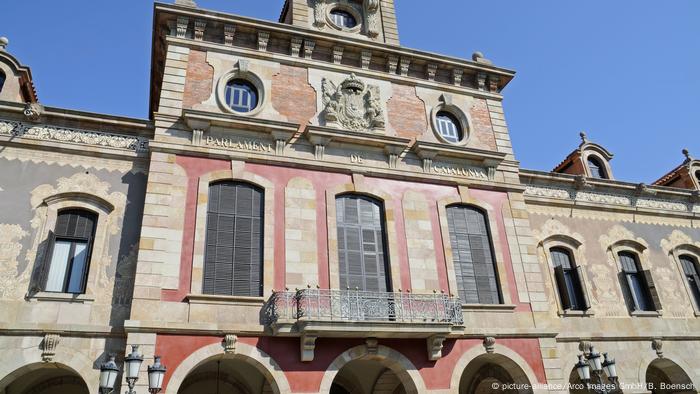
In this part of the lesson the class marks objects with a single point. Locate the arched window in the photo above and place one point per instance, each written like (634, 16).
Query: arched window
(362, 256)
(596, 167)
(233, 256)
(69, 248)
(690, 270)
(638, 284)
(472, 255)
(697, 175)
(569, 281)
(2, 79)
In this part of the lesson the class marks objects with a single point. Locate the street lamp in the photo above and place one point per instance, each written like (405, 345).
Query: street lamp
(592, 369)
(156, 373)
(108, 375)
(133, 365)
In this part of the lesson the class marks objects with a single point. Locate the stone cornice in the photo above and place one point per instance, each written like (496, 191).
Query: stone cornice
(431, 150)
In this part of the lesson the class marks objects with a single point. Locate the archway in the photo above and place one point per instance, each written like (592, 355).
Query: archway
(663, 376)
(366, 376)
(226, 375)
(576, 386)
(494, 373)
(44, 378)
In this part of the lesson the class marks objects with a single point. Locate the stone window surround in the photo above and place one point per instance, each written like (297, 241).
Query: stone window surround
(390, 214)
(575, 247)
(48, 214)
(694, 252)
(445, 105)
(642, 253)
(340, 6)
(237, 174)
(600, 158)
(242, 71)
(501, 272)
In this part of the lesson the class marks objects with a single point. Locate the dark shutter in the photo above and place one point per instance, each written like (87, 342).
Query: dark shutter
(472, 256)
(585, 301)
(361, 256)
(234, 240)
(653, 293)
(561, 286)
(43, 261)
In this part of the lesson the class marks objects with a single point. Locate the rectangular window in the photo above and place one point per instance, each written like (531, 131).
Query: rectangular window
(569, 281)
(691, 276)
(639, 284)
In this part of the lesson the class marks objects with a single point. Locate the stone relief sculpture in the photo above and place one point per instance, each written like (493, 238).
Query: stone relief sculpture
(320, 13)
(10, 248)
(372, 15)
(353, 105)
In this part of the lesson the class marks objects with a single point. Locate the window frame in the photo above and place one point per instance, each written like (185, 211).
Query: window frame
(246, 71)
(597, 162)
(446, 105)
(440, 123)
(694, 288)
(643, 277)
(251, 92)
(347, 8)
(339, 17)
(581, 302)
(692, 251)
(3, 79)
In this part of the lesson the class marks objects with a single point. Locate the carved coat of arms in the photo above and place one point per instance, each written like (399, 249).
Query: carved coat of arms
(353, 105)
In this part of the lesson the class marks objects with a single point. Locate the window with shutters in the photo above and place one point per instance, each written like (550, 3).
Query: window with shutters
(362, 257)
(472, 255)
(638, 284)
(690, 271)
(569, 280)
(68, 251)
(596, 168)
(233, 257)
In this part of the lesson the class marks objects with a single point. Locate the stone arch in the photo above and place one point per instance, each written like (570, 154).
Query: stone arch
(522, 373)
(240, 175)
(260, 360)
(30, 360)
(404, 369)
(671, 361)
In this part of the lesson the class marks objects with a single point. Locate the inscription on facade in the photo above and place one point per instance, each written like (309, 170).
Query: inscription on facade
(357, 159)
(466, 172)
(235, 144)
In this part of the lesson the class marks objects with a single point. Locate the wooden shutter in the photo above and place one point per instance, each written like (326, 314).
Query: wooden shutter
(472, 256)
(43, 263)
(234, 240)
(585, 300)
(653, 293)
(561, 286)
(361, 254)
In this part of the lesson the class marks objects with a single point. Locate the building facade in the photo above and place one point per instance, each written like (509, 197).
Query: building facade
(314, 208)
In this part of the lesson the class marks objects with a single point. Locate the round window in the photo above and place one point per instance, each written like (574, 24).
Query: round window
(241, 95)
(343, 19)
(449, 127)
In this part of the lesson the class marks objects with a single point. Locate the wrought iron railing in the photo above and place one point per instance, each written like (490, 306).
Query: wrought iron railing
(360, 306)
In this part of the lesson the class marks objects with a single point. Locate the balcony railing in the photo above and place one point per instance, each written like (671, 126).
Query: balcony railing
(363, 306)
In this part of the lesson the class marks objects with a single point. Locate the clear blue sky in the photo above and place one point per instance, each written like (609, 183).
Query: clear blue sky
(626, 71)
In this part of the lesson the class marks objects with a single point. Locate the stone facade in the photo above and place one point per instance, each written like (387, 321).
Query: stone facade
(340, 111)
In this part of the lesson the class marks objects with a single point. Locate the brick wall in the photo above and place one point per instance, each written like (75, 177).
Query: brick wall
(292, 96)
(200, 79)
(407, 112)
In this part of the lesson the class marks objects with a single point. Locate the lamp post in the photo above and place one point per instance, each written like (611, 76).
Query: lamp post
(156, 373)
(108, 375)
(592, 370)
(133, 365)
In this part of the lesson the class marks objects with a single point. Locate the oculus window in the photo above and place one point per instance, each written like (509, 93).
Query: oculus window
(638, 284)
(690, 271)
(449, 127)
(569, 280)
(595, 166)
(233, 256)
(69, 248)
(241, 96)
(343, 19)
(472, 255)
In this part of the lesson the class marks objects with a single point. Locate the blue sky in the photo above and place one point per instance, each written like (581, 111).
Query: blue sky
(625, 71)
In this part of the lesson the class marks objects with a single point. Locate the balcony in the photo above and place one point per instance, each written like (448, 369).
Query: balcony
(314, 313)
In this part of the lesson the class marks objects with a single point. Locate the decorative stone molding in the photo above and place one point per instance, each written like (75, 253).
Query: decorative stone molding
(366, 58)
(33, 111)
(338, 54)
(263, 40)
(405, 65)
(600, 198)
(489, 344)
(199, 26)
(50, 133)
(392, 61)
(643, 189)
(10, 248)
(547, 192)
(431, 71)
(309, 46)
(186, 3)
(494, 80)
(229, 34)
(295, 46)
(48, 347)
(352, 104)
(230, 342)
(581, 182)
(457, 74)
(435, 345)
(319, 13)
(372, 15)
(481, 81)
(662, 204)
(372, 345)
(676, 240)
(658, 346)
(182, 22)
(585, 347)
(308, 345)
